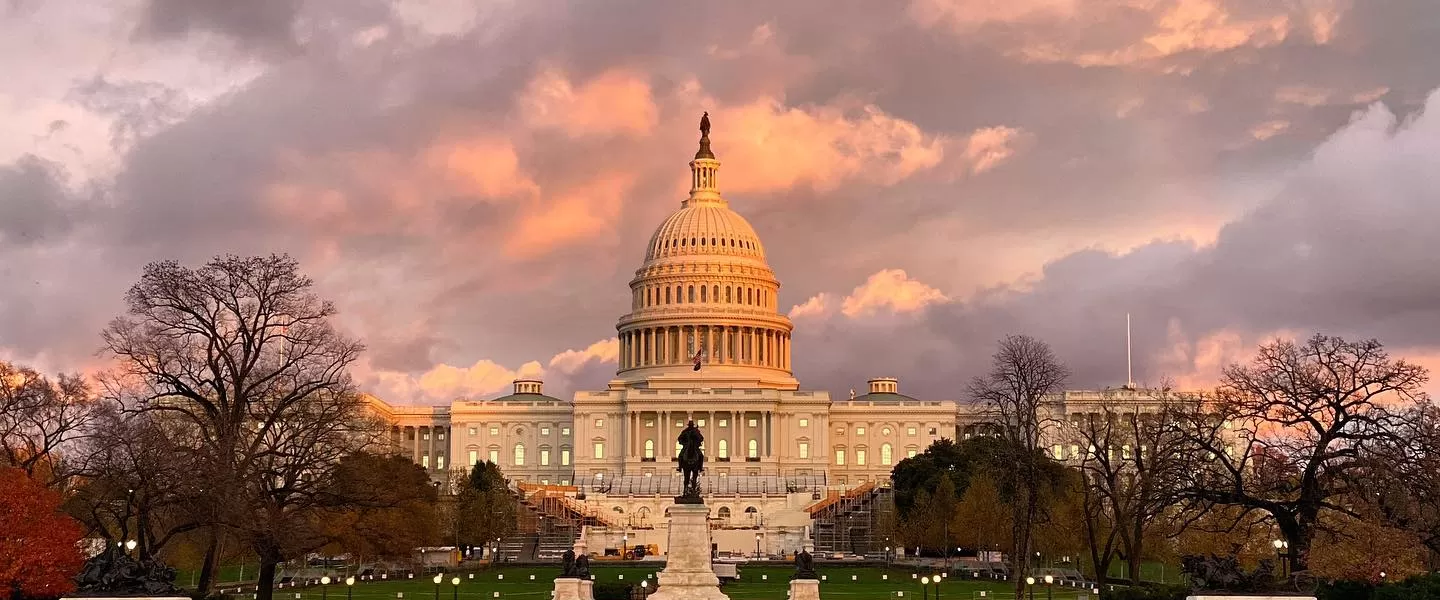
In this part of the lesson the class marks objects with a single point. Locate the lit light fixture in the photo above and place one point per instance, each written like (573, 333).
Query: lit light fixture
(1049, 579)
(439, 578)
(130, 545)
(924, 581)
(1029, 581)
(455, 581)
(350, 581)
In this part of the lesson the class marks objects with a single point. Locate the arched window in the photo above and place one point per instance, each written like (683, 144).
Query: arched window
(691, 296)
(724, 512)
(667, 294)
(715, 294)
(860, 455)
(839, 456)
(754, 449)
(724, 448)
(750, 296)
(750, 510)
(702, 294)
(886, 456)
(727, 295)
(519, 455)
(618, 509)
(649, 448)
(679, 294)
(544, 456)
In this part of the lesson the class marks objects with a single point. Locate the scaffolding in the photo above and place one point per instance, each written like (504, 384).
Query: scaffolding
(848, 522)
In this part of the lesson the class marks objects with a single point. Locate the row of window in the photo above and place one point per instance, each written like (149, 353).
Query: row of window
(653, 295)
(887, 457)
(495, 430)
(666, 244)
(909, 431)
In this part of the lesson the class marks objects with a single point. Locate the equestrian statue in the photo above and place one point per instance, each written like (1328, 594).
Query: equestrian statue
(692, 463)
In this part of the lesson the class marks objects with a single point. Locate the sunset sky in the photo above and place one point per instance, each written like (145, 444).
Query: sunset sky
(474, 183)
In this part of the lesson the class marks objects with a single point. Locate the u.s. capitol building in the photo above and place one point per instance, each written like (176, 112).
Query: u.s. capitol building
(785, 466)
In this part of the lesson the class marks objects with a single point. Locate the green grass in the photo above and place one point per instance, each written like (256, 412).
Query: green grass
(1150, 571)
(756, 583)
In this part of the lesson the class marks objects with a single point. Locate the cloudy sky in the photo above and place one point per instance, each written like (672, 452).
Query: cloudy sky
(474, 183)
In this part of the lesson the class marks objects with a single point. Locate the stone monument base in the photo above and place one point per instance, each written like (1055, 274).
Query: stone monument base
(804, 589)
(688, 574)
(569, 588)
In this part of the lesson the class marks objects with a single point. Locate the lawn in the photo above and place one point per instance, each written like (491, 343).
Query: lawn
(755, 583)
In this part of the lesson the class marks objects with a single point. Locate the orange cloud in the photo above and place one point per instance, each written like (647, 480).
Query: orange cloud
(890, 290)
(485, 377)
(1269, 129)
(616, 101)
(1197, 363)
(582, 212)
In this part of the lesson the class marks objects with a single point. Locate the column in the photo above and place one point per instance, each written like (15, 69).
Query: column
(769, 449)
(415, 443)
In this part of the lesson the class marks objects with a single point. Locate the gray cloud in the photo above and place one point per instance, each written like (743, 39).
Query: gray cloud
(1114, 149)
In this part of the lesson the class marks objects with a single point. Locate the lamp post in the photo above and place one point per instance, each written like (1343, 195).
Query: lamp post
(324, 585)
(455, 587)
(350, 588)
(935, 579)
(130, 546)
(1282, 552)
(644, 588)
(1049, 587)
(1030, 584)
(925, 587)
(757, 546)
(438, 578)
(624, 539)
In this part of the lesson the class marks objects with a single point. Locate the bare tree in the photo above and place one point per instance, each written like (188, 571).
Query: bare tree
(39, 418)
(1024, 374)
(1403, 477)
(1285, 435)
(1133, 466)
(243, 354)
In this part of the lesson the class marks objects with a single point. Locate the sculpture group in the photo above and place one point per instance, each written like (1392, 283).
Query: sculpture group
(114, 573)
(692, 464)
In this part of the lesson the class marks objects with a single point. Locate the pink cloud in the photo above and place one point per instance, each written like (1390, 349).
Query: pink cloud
(890, 291)
(616, 101)
(483, 378)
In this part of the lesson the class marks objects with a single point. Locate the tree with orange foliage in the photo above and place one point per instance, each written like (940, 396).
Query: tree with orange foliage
(39, 551)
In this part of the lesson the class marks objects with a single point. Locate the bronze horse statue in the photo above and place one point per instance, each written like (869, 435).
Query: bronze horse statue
(692, 463)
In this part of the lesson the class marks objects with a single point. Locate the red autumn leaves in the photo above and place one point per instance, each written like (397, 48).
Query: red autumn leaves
(39, 555)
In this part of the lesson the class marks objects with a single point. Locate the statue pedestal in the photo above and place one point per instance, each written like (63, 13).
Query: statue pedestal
(688, 574)
(569, 588)
(804, 589)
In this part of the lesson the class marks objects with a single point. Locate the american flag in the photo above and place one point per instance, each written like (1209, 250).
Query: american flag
(700, 355)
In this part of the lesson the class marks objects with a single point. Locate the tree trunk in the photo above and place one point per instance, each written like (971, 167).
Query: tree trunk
(207, 565)
(266, 583)
(1135, 549)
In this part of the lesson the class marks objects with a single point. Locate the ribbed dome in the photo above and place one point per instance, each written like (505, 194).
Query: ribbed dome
(706, 228)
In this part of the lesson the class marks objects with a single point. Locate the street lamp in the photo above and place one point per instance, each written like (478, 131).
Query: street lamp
(324, 581)
(438, 578)
(624, 539)
(455, 585)
(935, 579)
(1030, 583)
(644, 588)
(757, 546)
(925, 587)
(1049, 587)
(350, 588)
(1282, 551)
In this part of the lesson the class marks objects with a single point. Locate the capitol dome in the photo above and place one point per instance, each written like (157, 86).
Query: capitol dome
(704, 290)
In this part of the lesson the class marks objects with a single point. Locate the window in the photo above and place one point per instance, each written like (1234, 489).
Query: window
(910, 431)
(565, 456)
(804, 449)
(754, 449)
(885, 431)
(425, 460)
(724, 422)
(564, 431)
(495, 455)
(649, 422)
(649, 448)
(440, 462)
(599, 423)
(860, 456)
(700, 423)
(544, 431)
(839, 457)
(910, 451)
(680, 424)
(704, 297)
(932, 431)
(804, 422)
(472, 431)
(859, 431)
(691, 296)
(425, 436)
(474, 457)
(1058, 452)
(724, 448)
(599, 449)
(440, 436)
(885, 454)
(839, 431)
(519, 455)
(544, 457)
(494, 430)
(753, 422)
